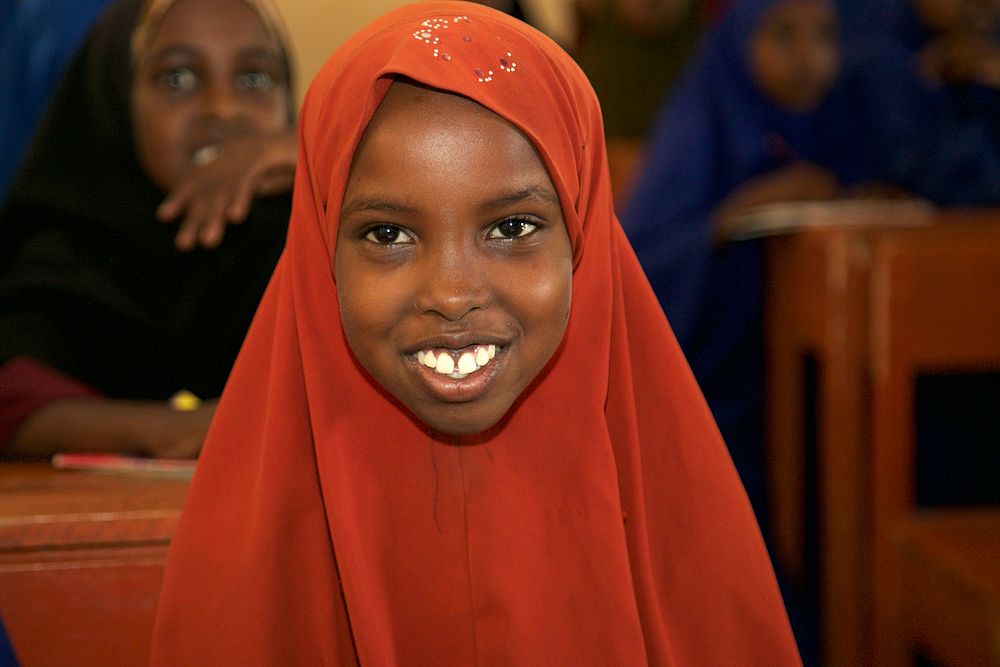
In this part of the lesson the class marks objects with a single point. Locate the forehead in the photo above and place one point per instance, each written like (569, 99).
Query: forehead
(202, 23)
(797, 10)
(410, 110)
(415, 121)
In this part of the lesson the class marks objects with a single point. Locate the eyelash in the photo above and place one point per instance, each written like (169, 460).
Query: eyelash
(371, 233)
(523, 221)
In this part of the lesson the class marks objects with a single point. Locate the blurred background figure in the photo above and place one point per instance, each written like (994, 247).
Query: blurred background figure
(924, 78)
(143, 226)
(37, 39)
(755, 119)
(632, 51)
(7, 657)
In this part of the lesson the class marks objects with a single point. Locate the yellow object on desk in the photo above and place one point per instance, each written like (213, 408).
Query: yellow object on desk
(184, 401)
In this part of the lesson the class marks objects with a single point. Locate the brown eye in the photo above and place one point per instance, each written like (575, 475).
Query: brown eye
(512, 228)
(181, 79)
(387, 235)
(255, 80)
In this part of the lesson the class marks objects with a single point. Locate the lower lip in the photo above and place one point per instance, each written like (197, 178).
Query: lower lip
(452, 390)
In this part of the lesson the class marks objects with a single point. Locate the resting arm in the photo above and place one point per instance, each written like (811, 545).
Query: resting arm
(43, 411)
(104, 425)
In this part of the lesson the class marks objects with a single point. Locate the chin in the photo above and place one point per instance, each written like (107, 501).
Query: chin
(464, 425)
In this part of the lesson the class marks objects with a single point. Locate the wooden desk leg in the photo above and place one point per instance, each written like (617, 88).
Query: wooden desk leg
(843, 525)
(784, 453)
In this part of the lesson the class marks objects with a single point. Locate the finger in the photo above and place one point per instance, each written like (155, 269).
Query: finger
(190, 227)
(173, 205)
(212, 233)
(186, 237)
(239, 201)
(213, 225)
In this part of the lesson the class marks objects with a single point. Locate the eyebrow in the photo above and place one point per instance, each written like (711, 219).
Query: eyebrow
(195, 52)
(370, 204)
(530, 193)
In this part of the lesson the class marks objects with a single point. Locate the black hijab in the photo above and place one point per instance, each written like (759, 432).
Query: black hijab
(90, 282)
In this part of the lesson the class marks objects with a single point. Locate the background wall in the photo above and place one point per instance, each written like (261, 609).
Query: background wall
(318, 27)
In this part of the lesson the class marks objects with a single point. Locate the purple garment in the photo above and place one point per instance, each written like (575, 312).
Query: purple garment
(716, 132)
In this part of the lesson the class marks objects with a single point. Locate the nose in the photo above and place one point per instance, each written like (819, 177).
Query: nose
(221, 102)
(451, 284)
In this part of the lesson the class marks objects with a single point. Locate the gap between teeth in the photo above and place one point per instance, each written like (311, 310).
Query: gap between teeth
(444, 363)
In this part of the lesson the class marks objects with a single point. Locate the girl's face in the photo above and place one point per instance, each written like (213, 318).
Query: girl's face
(211, 72)
(453, 265)
(794, 53)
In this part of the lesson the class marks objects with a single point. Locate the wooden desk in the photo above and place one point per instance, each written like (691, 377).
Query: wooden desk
(822, 301)
(81, 559)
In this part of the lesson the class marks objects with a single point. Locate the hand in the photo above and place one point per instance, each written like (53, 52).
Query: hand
(220, 191)
(876, 190)
(962, 57)
(799, 181)
(171, 434)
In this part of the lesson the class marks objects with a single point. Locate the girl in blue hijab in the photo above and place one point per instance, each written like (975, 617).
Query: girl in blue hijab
(754, 120)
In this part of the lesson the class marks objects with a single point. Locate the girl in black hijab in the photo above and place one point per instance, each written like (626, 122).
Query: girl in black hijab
(143, 226)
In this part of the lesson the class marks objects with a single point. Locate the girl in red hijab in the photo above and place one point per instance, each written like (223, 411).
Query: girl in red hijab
(460, 430)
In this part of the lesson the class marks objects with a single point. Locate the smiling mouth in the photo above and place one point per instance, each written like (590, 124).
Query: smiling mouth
(457, 364)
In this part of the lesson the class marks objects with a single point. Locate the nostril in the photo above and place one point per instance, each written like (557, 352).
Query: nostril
(452, 304)
(450, 283)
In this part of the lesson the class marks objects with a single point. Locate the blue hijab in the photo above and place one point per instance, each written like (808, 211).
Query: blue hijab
(37, 40)
(717, 131)
(938, 142)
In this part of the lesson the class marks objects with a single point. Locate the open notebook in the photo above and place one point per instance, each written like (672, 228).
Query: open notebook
(785, 218)
(125, 464)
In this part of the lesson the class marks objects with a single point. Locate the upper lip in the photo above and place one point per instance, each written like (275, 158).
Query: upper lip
(211, 136)
(457, 341)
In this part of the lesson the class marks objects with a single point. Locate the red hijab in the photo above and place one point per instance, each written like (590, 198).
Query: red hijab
(604, 524)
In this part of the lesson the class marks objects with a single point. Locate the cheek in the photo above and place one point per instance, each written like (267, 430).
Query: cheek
(158, 139)
(822, 57)
(545, 307)
(369, 310)
(831, 62)
(358, 318)
(271, 112)
(767, 70)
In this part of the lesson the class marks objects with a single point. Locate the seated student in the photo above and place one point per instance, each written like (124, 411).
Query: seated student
(633, 52)
(754, 120)
(460, 430)
(924, 78)
(108, 306)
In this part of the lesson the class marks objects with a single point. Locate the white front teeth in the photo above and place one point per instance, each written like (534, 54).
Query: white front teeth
(469, 361)
(445, 364)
